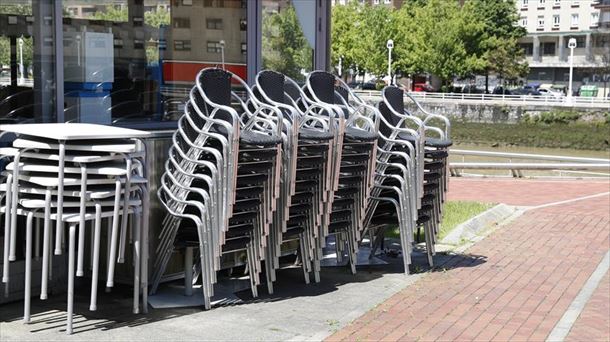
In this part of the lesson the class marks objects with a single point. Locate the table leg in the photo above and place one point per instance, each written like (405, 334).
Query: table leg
(60, 197)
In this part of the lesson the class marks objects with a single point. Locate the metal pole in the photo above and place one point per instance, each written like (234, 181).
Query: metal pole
(390, 65)
(340, 66)
(571, 72)
(222, 53)
(21, 60)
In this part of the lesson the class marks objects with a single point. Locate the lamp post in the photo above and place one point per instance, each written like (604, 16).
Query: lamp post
(390, 46)
(572, 46)
(340, 66)
(21, 60)
(222, 52)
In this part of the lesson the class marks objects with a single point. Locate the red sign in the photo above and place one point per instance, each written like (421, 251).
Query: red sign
(185, 71)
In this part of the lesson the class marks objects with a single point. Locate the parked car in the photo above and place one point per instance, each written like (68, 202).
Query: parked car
(355, 85)
(499, 90)
(368, 86)
(526, 90)
(550, 93)
(422, 87)
(472, 89)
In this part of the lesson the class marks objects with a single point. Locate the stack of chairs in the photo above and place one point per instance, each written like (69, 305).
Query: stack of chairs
(353, 163)
(222, 182)
(414, 199)
(308, 150)
(74, 183)
(282, 165)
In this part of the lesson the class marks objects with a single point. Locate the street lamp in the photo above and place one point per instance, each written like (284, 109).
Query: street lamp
(572, 46)
(222, 52)
(390, 46)
(340, 66)
(21, 60)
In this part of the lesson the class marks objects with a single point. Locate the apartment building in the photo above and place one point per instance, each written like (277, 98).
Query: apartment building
(390, 3)
(550, 25)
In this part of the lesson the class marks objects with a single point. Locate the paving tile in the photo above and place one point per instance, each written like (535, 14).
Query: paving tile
(524, 275)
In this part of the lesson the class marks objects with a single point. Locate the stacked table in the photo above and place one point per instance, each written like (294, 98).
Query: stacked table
(70, 175)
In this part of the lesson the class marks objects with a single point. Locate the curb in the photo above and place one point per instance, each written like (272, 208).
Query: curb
(479, 226)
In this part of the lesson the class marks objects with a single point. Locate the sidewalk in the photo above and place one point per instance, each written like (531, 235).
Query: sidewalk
(518, 282)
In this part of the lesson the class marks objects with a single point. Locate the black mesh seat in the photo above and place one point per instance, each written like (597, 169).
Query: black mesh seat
(438, 143)
(436, 154)
(355, 134)
(258, 139)
(311, 134)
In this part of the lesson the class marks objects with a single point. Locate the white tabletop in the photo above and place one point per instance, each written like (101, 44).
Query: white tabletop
(73, 131)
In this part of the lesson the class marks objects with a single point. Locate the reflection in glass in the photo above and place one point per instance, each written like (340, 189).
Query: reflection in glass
(284, 46)
(156, 49)
(27, 85)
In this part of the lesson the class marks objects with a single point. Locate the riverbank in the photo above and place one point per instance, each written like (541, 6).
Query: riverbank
(579, 136)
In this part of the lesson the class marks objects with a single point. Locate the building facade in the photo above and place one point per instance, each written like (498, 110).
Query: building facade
(132, 62)
(550, 25)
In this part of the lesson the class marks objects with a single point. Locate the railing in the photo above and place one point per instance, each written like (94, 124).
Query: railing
(545, 163)
(576, 101)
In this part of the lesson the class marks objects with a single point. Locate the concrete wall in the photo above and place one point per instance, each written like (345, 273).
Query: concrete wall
(489, 112)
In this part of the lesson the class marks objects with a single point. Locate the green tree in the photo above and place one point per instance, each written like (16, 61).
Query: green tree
(285, 48)
(430, 40)
(379, 25)
(345, 31)
(495, 46)
(157, 18)
(112, 13)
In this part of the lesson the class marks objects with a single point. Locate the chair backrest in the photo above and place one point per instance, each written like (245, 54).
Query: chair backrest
(394, 96)
(216, 84)
(384, 129)
(272, 85)
(322, 84)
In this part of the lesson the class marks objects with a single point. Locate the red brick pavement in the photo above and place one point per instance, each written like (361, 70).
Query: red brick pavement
(522, 191)
(516, 284)
(592, 324)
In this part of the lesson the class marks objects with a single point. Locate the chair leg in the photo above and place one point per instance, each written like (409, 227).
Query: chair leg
(304, 259)
(188, 271)
(428, 238)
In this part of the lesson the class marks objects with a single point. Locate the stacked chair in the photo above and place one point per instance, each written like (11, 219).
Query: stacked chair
(308, 149)
(352, 163)
(222, 184)
(72, 183)
(280, 165)
(414, 199)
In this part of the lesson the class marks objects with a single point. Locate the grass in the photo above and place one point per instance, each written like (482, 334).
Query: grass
(582, 136)
(455, 213)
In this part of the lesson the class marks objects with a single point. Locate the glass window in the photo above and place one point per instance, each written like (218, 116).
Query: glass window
(556, 3)
(548, 49)
(523, 21)
(556, 20)
(213, 23)
(214, 46)
(287, 37)
(594, 19)
(27, 61)
(574, 21)
(145, 75)
(528, 48)
(181, 22)
(541, 3)
(540, 22)
(524, 3)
